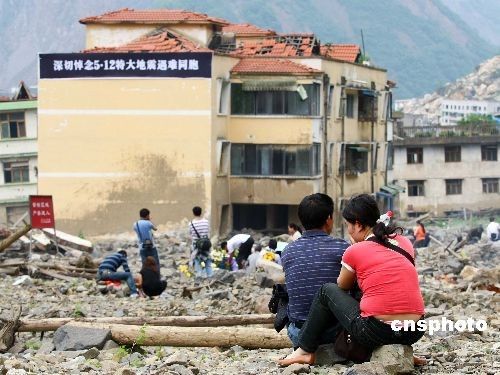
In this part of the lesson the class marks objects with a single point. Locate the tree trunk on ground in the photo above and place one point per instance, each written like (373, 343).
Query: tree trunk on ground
(14, 237)
(51, 324)
(246, 337)
(9, 329)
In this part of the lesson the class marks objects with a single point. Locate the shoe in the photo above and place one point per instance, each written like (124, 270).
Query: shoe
(134, 295)
(306, 359)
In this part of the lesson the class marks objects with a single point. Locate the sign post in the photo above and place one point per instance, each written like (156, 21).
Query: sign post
(42, 214)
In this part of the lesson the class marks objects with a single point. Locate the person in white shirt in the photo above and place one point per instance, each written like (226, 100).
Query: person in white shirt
(244, 243)
(254, 258)
(294, 231)
(200, 228)
(493, 230)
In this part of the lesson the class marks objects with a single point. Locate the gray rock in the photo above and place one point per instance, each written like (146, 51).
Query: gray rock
(46, 347)
(91, 353)
(177, 358)
(326, 356)
(370, 368)
(78, 338)
(297, 368)
(110, 344)
(263, 281)
(124, 371)
(396, 359)
(81, 289)
(453, 265)
(181, 370)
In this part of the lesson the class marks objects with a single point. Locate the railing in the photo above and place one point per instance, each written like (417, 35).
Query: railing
(447, 131)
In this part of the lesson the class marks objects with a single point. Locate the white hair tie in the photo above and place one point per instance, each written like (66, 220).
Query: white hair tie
(385, 218)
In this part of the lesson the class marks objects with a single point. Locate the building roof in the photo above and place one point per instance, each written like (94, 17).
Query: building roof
(265, 65)
(344, 52)
(159, 40)
(246, 29)
(17, 105)
(153, 16)
(283, 45)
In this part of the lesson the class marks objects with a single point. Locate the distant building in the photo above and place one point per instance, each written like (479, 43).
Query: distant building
(446, 169)
(452, 111)
(18, 154)
(168, 109)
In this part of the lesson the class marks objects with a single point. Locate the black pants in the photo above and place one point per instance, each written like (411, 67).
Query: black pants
(244, 251)
(333, 304)
(155, 289)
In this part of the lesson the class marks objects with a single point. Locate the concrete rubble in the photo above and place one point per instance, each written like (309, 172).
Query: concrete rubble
(454, 287)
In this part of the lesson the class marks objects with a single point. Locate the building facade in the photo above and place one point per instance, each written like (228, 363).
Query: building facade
(447, 169)
(452, 111)
(18, 154)
(170, 109)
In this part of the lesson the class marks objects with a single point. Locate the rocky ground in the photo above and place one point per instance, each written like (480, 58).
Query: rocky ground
(456, 286)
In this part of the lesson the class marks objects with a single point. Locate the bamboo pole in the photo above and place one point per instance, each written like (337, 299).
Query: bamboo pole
(51, 324)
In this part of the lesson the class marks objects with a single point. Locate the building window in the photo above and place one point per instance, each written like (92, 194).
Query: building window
(415, 155)
(349, 105)
(13, 125)
(16, 172)
(275, 160)
(355, 159)
(452, 154)
(453, 187)
(416, 188)
(367, 105)
(490, 185)
(302, 102)
(489, 153)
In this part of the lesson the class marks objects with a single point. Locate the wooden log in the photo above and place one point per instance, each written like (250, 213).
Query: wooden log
(14, 237)
(246, 337)
(54, 275)
(8, 330)
(66, 239)
(51, 324)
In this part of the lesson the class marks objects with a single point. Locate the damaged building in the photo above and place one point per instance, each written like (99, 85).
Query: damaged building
(168, 109)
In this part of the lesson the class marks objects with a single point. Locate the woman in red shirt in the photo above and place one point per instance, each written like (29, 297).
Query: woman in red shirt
(388, 280)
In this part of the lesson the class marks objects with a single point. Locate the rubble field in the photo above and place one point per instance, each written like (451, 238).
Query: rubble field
(456, 284)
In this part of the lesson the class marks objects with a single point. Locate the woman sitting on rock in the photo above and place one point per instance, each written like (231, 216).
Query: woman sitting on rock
(152, 285)
(388, 280)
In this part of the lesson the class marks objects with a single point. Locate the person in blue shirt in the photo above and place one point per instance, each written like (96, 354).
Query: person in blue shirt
(108, 270)
(143, 228)
(311, 261)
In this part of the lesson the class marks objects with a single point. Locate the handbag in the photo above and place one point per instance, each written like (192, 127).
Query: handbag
(202, 245)
(147, 245)
(345, 345)
(278, 304)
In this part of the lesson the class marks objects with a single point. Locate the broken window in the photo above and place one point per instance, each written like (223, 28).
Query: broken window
(349, 105)
(367, 105)
(416, 188)
(275, 160)
(13, 125)
(356, 159)
(490, 185)
(489, 153)
(453, 187)
(305, 101)
(414, 155)
(16, 172)
(452, 154)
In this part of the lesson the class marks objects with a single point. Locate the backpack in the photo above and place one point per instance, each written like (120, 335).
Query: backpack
(202, 244)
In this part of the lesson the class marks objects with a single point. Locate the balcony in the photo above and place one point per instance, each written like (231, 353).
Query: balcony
(429, 135)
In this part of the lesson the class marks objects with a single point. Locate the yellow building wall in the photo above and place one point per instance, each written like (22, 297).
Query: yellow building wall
(111, 147)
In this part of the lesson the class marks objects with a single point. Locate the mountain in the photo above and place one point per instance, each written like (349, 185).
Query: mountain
(482, 84)
(422, 43)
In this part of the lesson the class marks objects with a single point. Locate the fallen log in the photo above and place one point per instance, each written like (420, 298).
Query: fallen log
(51, 324)
(14, 237)
(8, 330)
(246, 337)
(54, 275)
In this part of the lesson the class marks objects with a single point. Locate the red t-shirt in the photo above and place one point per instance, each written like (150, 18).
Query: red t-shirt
(389, 282)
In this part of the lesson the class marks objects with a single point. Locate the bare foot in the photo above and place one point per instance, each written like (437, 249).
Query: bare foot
(298, 356)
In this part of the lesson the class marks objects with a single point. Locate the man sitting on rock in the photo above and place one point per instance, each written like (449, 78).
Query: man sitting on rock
(108, 270)
(311, 261)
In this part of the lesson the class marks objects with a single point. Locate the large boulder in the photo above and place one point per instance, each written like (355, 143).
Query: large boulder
(70, 337)
(396, 359)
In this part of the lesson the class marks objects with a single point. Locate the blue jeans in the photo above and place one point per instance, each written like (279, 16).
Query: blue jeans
(328, 337)
(200, 271)
(150, 253)
(127, 276)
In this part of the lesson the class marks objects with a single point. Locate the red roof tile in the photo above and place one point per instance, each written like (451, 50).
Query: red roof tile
(155, 16)
(159, 40)
(247, 29)
(264, 65)
(283, 45)
(345, 52)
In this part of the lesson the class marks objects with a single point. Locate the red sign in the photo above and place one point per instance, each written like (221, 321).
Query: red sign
(42, 211)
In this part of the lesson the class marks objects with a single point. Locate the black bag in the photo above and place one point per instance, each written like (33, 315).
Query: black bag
(278, 304)
(147, 245)
(202, 245)
(350, 349)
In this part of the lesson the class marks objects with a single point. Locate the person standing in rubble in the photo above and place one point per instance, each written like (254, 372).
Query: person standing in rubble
(493, 230)
(421, 236)
(199, 229)
(143, 228)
